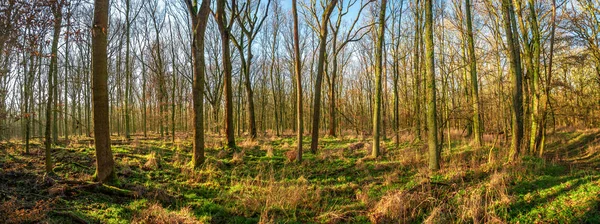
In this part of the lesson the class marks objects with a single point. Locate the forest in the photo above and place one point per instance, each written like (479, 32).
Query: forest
(300, 111)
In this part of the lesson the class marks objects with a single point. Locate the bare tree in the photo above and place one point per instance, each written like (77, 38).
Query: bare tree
(104, 157)
(199, 19)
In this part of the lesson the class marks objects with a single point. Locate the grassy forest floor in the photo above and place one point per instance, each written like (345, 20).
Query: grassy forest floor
(257, 183)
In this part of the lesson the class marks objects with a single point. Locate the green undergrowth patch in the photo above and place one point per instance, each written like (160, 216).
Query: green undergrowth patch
(260, 181)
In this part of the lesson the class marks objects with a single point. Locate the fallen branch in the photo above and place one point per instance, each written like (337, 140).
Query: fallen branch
(101, 188)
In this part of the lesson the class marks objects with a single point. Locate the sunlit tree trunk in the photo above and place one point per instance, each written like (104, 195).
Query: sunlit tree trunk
(517, 91)
(323, 29)
(199, 18)
(127, 67)
(104, 158)
(544, 118)
(417, 72)
(477, 125)
(224, 29)
(432, 141)
(378, 72)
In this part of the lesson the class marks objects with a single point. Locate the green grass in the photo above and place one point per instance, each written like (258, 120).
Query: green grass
(339, 184)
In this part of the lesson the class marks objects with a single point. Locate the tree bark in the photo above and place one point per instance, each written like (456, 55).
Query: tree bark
(199, 20)
(432, 141)
(53, 70)
(320, 72)
(297, 70)
(378, 72)
(225, 38)
(104, 157)
(477, 125)
(517, 92)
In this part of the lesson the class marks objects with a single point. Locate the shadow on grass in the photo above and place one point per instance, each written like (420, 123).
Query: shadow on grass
(577, 151)
(593, 215)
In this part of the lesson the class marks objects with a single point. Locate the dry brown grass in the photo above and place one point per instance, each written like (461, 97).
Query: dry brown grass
(401, 207)
(269, 150)
(291, 155)
(238, 157)
(15, 211)
(497, 188)
(210, 170)
(222, 154)
(155, 213)
(153, 162)
(248, 144)
(274, 199)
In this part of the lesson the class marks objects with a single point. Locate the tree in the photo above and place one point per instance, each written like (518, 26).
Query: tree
(548, 82)
(395, 36)
(378, 72)
(224, 26)
(515, 68)
(350, 36)
(298, 70)
(320, 71)
(432, 141)
(56, 8)
(250, 24)
(104, 157)
(199, 20)
(477, 125)
(417, 69)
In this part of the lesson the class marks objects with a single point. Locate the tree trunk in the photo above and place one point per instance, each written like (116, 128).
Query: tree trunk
(535, 79)
(104, 158)
(53, 71)
(477, 125)
(127, 68)
(297, 69)
(319, 79)
(199, 22)
(417, 75)
(517, 92)
(432, 141)
(378, 72)
(225, 38)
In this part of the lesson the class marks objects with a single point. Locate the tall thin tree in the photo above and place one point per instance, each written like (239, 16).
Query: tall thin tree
(477, 125)
(104, 157)
(432, 141)
(199, 19)
(224, 26)
(517, 76)
(378, 72)
(320, 72)
(297, 70)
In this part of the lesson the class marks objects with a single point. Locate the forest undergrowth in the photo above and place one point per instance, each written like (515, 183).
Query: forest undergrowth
(260, 182)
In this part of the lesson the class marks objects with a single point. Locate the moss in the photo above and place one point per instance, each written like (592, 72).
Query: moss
(338, 184)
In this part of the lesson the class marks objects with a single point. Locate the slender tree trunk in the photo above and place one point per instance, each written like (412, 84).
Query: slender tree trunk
(548, 83)
(52, 72)
(477, 125)
(378, 72)
(535, 79)
(432, 141)
(320, 72)
(225, 38)
(66, 83)
(127, 68)
(517, 92)
(332, 81)
(104, 159)
(417, 75)
(298, 69)
(199, 20)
